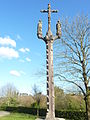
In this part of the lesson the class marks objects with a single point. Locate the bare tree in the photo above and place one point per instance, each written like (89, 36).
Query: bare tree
(37, 97)
(73, 55)
(10, 92)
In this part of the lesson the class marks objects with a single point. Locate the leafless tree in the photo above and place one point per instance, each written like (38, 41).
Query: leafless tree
(9, 92)
(73, 55)
(37, 97)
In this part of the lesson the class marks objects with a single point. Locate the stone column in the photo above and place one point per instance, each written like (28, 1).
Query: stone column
(50, 82)
(49, 39)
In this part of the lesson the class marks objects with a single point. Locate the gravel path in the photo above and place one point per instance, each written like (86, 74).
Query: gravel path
(4, 113)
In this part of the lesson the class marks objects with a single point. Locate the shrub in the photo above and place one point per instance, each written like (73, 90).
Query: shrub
(73, 115)
(27, 110)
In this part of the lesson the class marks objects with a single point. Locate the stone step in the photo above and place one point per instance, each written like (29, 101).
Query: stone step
(55, 119)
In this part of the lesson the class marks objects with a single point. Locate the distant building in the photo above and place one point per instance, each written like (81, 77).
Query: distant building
(24, 94)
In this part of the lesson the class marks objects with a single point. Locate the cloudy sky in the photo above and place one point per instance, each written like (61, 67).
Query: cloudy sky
(21, 53)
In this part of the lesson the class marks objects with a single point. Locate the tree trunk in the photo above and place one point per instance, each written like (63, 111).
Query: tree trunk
(86, 104)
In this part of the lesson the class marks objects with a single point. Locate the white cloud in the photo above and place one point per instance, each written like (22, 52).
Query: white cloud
(19, 37)
(24, 50)
(8, 52)
(15, 73)
(27, 49)
(28, 59)
(7, 41)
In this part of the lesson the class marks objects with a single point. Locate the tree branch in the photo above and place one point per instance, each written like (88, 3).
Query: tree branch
(72, 83)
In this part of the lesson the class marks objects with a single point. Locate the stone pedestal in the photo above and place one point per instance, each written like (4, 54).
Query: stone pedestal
(51, 119)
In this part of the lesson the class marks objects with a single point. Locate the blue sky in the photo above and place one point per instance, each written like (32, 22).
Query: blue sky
(22, 54)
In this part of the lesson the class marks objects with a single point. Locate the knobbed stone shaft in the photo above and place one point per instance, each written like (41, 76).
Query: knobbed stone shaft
(49, 39)
(50, 82)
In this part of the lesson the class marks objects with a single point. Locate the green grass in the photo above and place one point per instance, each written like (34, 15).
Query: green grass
(17, 116)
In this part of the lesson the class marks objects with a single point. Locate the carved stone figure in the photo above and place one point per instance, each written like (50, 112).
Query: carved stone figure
(39, 28)
(58, 28)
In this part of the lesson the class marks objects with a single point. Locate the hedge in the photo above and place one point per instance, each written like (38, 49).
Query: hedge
(73, 115)
(26, 110)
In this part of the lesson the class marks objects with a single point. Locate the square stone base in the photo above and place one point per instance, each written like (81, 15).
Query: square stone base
(55, 119)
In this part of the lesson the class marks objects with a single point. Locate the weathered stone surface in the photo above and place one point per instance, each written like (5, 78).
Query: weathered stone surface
(51, 119)
(59, 119)
(49, 39)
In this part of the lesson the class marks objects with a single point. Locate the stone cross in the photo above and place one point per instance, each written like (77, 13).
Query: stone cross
(49, 39)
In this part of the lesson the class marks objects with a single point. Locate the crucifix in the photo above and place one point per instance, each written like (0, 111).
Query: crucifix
(49, 39)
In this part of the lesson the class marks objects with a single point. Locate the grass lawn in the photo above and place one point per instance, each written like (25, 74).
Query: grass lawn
(18, 116)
